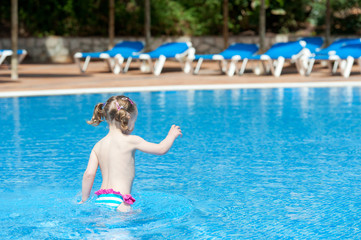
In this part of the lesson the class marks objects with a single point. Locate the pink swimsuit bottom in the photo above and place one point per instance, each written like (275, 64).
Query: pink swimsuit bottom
(112, 198)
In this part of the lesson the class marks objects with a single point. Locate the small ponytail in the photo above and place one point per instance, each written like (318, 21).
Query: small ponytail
(122, 117)
(98, 115)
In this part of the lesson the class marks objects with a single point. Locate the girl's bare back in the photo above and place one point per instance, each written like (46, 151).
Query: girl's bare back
(116, 161)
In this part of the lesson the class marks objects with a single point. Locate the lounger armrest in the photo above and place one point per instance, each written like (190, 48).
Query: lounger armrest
(303, 43)
(184, 54)
(118, 56)
(104, 56)
(7, 52)
(144, 56)
(333, 57)
(236, 57)
(78, 55)
(218, 57)
(304, 52)
(265, 57)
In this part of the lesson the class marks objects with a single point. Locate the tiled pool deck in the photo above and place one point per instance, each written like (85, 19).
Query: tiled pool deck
(40, 79)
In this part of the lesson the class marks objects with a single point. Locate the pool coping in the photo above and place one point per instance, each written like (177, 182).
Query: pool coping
(179, 88)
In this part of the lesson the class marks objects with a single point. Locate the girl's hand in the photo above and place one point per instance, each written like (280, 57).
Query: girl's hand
(175, 131)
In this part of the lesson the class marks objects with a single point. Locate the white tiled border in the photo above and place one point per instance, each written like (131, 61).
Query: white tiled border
(179, 88)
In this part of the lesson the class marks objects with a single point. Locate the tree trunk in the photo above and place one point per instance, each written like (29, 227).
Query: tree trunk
(147, 25)
(225, 23)
(328, 23)
(14, 39)
(111, 24)
(262, 26)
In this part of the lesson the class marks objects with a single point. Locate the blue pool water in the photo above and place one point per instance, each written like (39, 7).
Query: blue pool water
(252, 164)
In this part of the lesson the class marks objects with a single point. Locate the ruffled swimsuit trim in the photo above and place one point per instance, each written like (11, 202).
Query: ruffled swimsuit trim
(127, 198)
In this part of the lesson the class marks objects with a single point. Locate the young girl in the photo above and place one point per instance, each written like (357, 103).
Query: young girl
(115, 153)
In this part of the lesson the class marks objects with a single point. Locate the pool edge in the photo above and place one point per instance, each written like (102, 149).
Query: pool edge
(178, 88)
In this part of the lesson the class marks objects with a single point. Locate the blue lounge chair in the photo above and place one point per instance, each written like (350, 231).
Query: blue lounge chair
(313, 44)
(347, 55)
(234, 53)
(343, 57)
(4, 53)
(119, 52)
(173, 50)
(273, 59)
(336, 45)
(307, 61)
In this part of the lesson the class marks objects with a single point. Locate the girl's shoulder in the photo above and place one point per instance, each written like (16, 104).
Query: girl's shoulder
(99, 143)
(134, 139)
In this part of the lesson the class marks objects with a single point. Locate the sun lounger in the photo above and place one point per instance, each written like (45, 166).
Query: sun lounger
(307, 61)
(347, 55)
(234, 53)
(4, 53)
(120, 51)
(313, 44)
(344, 58)
(174, 50)
(273, 59)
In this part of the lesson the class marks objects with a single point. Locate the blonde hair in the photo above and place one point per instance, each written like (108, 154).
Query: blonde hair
(118, 108)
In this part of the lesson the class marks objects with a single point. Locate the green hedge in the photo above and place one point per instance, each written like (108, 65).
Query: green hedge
(175, 17)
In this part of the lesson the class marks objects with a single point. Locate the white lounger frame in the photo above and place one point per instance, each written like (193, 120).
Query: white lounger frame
(275, 66)
(114, 64)
(8, 53)
(147, 63)
(110, 62)
(229, 67)
(305, 64)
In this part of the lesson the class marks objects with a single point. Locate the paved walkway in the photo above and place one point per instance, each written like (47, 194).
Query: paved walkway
(35, 77)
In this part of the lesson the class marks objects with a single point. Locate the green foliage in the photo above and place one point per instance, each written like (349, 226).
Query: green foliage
(346, 17)
(176, 17)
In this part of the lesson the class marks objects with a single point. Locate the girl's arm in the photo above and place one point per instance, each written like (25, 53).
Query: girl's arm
(161, 148)
(89, 175)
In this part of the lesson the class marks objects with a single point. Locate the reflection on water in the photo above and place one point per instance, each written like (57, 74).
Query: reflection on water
(15, 108)
(349, 95)
(304, 101)
(190, 101)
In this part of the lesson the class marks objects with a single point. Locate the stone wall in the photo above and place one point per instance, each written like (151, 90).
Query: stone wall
(61, 49)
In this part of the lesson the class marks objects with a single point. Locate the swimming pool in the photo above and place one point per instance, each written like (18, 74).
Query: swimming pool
(252, 164)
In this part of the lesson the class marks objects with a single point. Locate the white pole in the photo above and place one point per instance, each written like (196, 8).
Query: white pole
(14, 40)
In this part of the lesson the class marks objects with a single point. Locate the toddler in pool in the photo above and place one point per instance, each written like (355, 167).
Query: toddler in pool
(114, 153)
